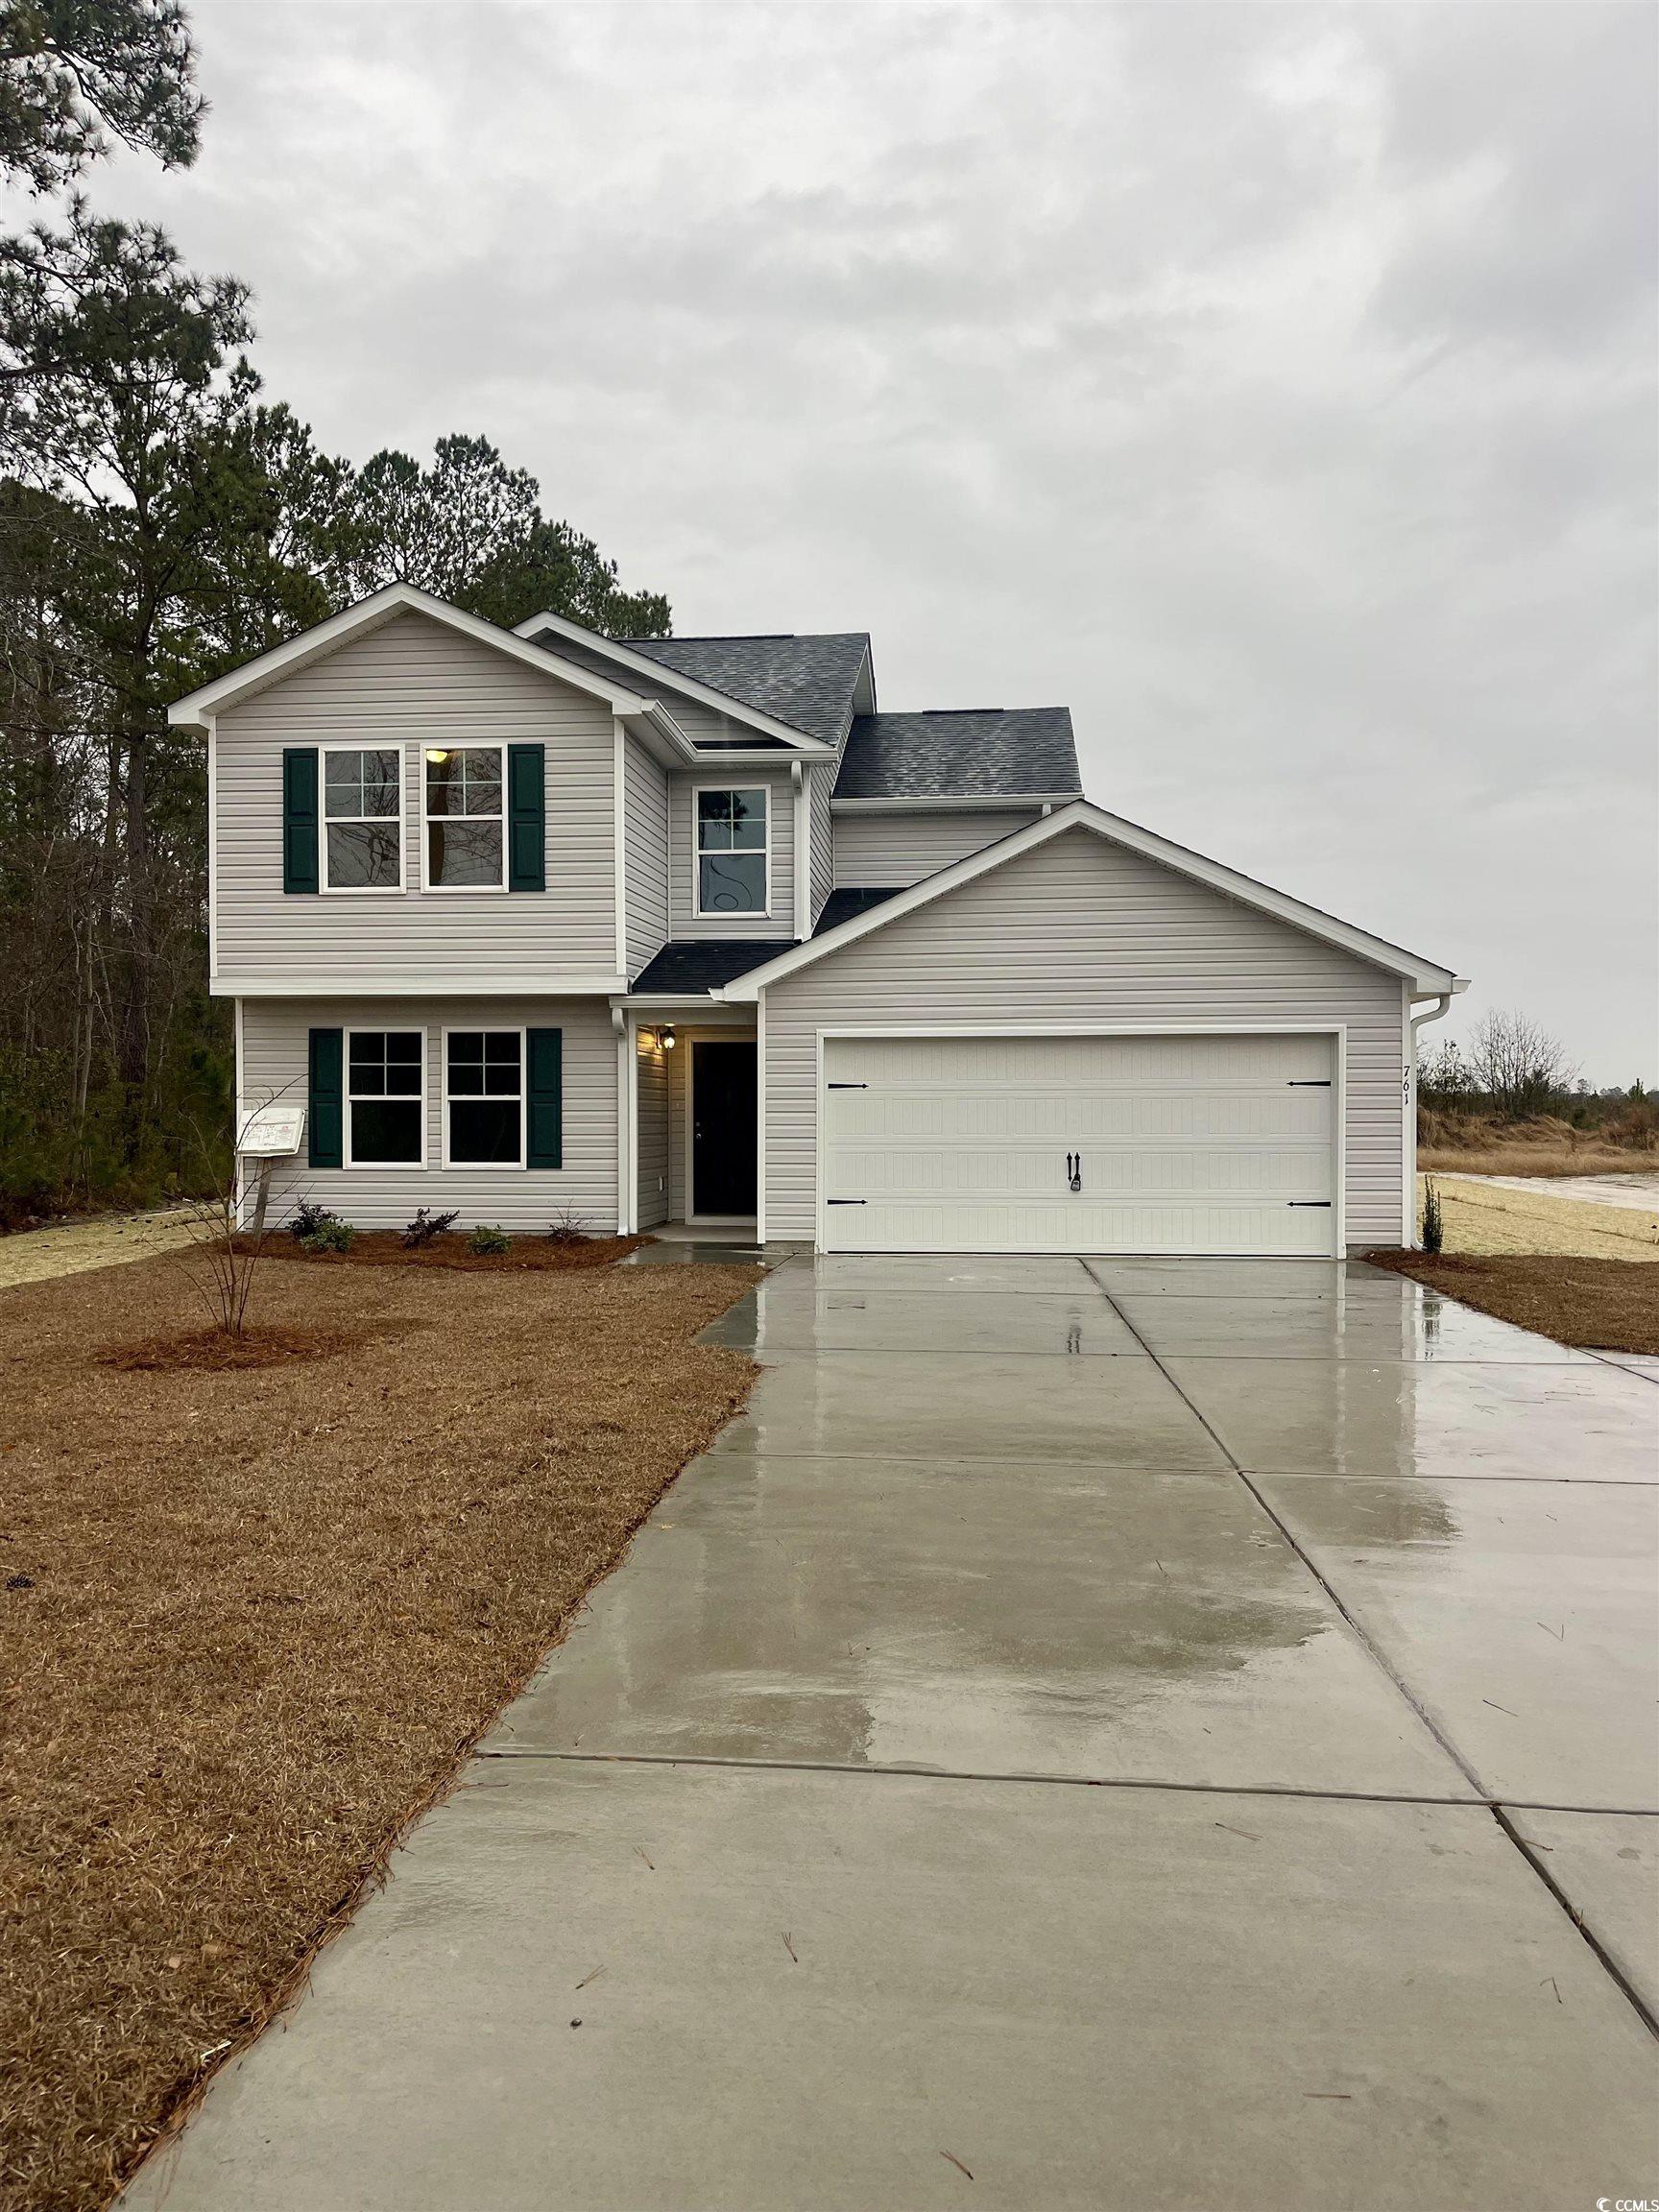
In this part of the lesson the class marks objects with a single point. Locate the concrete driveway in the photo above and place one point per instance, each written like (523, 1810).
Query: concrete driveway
(1138, 1735)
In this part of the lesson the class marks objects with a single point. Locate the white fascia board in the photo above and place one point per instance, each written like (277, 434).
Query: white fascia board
(314, 644)
(661, 734)
(1079, 814)
(659, 672)
(976, 803)
(593, 984)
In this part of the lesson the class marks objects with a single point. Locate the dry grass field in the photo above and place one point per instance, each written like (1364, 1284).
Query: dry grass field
(1486, 1219)
(1474, 1144)
(254, 1619)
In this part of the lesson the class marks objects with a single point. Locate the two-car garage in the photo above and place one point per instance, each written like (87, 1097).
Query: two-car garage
(1222, 1142)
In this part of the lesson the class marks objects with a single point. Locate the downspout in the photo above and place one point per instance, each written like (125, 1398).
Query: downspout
(802, 855)
(1409, 1224)
(619, 1022)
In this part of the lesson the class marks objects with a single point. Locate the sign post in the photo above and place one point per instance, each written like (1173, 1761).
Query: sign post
(268, 1133)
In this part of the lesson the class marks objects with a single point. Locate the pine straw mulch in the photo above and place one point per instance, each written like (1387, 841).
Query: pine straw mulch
(1600, 1305)
(386, 1248)
(252, 1620)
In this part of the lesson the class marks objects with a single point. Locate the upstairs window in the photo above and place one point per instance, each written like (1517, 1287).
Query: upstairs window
(385, 1097)
(484, 1092)
(466, 840)
(731, 851)
(363, 819)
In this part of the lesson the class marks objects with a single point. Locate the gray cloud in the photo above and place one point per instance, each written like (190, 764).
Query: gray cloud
(1273, 385)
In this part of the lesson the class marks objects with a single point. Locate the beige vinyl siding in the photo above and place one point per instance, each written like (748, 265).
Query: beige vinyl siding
(686, 922)
(651, 1174)
(885, 852)
(414, 682)
(821, 782)
(645, 853)
(1081, 931)
(274, 1063)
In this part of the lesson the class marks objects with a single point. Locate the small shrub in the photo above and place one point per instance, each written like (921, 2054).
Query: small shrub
(488, 1239)
(1433, 1228)
(566, 1228)
(306, 1219)
(425, 1226)
(330, 1235)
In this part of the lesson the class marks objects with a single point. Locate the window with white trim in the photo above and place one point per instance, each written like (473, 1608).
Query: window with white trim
(362, 818)
(466, 833)
(385, 1097)
(731, 831)
(483, 1098)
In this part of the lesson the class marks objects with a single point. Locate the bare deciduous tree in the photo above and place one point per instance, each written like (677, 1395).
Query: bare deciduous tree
(1518, 1065)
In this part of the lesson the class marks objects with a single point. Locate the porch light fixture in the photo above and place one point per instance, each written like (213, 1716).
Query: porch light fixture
(666, 1037)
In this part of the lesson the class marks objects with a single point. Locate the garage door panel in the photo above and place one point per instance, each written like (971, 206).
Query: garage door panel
(880, 1110)
(1186, 1144)
(917, 1227)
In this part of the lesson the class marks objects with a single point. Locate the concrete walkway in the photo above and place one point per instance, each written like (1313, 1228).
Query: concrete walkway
(1144, 1735)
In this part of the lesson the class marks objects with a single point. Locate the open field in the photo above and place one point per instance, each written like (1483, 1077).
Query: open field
(1499, 1159)
(67, 1247)
(1478, 1145)
(1487, 1217)
(254, 1619)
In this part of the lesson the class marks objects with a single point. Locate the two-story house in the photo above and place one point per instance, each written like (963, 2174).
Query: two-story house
(687, 929)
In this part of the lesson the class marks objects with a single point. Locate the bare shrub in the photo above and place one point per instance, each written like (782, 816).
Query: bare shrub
(425, 1226)
(567, 1227)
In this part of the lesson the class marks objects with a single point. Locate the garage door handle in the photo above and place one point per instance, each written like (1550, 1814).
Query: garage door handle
(1074, 1170)
(1325, 1202)
(846, 1201)
(1308, 1083)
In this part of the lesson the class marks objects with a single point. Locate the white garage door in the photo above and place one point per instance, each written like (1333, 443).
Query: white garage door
(1173, 1144)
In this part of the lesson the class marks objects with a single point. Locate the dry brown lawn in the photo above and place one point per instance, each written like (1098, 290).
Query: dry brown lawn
(1600, 1305)
(252, 1620)
(1493, 1219)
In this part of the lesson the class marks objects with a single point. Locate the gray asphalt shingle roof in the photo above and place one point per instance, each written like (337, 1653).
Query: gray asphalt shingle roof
(971, 753)
(700, 964)
(805, 682)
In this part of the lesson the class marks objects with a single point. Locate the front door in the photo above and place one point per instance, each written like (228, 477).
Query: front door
(723, 1129)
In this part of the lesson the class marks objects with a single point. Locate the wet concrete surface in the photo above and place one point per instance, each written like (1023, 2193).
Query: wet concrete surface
(1521, 1613)
(982, 1405)
(953, 1614)
(790, 1313)
(965, 1761)
(691, 1252)
(648, 1987)
(1550, 1423)
(1427, 1328)
(1336, 1280)
(1607, 1867)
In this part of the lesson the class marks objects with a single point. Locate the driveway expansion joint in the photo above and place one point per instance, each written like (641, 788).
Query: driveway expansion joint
(886, 1771)
(1609, 1966)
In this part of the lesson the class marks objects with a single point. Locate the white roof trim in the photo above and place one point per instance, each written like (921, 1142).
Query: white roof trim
(267, 668)
(1422, 975)
(968, 803)
(661, 673)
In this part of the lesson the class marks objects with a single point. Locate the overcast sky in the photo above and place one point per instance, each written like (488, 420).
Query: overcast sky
(1274, 386)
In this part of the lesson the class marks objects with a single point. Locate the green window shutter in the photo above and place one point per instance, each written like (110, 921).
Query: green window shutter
(299, 818)
(327, 1115)
(527, 819)
(544, 1098)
